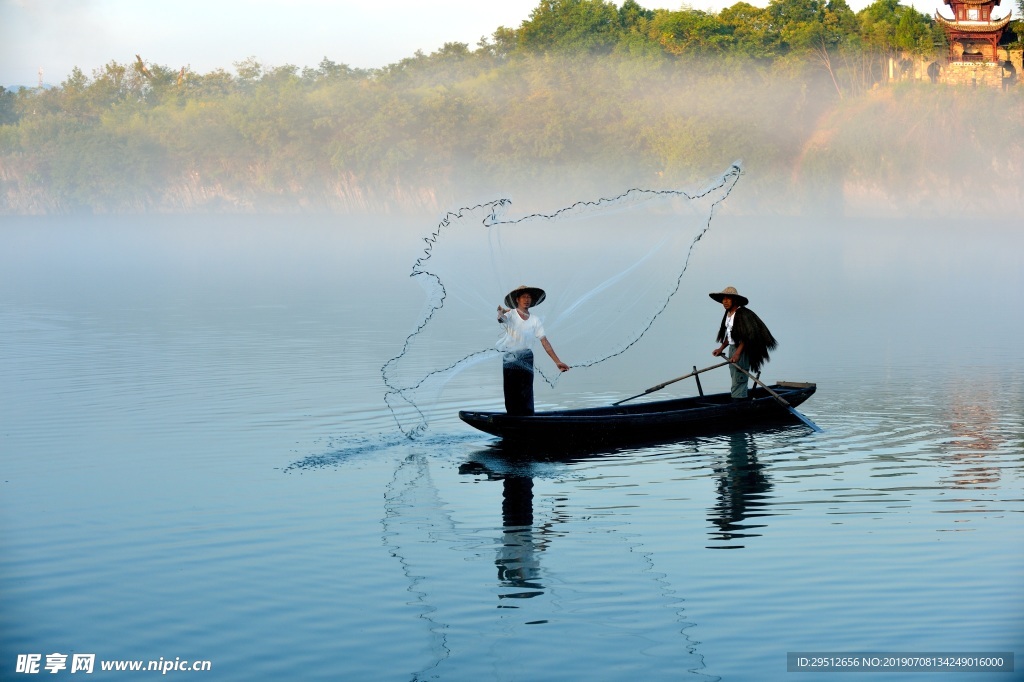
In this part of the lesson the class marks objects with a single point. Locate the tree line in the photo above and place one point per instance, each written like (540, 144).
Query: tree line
(579, 85)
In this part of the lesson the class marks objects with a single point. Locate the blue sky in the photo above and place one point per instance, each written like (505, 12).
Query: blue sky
(57, 35)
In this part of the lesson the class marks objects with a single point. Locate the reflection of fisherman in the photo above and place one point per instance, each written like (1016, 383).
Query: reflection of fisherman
(521, 328)
(742, 488)
(520, 544)
(744, 336)
(517, 562)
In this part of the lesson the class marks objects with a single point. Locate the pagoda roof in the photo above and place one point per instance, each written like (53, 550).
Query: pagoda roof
(974, 26)
(972, 2)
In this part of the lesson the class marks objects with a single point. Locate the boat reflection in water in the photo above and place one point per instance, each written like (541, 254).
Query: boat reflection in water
(554, 533)
(741, 481)
(742, 498)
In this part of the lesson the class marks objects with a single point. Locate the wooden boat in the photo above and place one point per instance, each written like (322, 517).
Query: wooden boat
(648, 422)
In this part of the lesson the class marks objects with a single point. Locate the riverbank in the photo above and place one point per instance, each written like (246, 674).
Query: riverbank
(537, 130)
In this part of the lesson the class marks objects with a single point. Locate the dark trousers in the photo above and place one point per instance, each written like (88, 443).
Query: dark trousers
(517, 371)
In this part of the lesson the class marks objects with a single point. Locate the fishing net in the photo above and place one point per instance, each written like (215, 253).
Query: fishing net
(609, 268)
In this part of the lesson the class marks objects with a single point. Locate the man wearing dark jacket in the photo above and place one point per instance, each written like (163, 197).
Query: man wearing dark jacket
(745, 338)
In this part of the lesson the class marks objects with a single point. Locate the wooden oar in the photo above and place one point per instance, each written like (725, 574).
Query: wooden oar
(782, 401)
(652, 389)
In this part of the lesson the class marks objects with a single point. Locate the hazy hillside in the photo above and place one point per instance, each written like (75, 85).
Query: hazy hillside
(561, 105)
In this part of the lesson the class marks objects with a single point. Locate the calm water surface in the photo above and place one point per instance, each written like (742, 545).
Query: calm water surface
(198, 464)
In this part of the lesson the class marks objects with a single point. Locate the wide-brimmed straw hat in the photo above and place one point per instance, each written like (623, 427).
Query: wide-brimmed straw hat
(730, 292)
(513, 296)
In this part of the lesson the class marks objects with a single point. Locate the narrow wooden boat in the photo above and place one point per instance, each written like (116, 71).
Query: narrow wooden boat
(651, 421)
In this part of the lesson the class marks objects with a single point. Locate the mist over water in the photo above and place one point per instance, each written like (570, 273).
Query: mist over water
(199, 461)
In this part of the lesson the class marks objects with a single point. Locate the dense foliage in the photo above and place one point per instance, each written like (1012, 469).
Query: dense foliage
(582, 89)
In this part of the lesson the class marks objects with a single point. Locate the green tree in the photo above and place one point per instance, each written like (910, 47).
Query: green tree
(878, 22)
(8, 112)
(155, 82)
(837, 40)
(691, 31)
(637, 39)
(506, 41)
(329, 71)
(591, 26)
(1017, 25)
(249, 72)
(112, 84)
(214, 85)
(632, 16)
(754, 34)
(913, 32)
(799, 24)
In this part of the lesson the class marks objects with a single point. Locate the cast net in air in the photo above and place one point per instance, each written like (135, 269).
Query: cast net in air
(609, 267)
